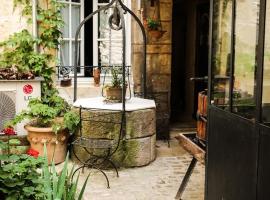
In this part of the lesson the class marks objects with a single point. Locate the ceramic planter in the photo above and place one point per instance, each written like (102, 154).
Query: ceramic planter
(155, 34)
(114, 93)
(56, 143)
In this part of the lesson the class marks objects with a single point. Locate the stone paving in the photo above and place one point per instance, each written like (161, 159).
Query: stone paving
(158, 181)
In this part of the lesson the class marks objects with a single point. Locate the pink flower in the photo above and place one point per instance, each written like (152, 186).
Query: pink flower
(32, 152)
(9, 131)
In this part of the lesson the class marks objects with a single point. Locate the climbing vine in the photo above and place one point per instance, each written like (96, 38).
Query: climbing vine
(18, 54)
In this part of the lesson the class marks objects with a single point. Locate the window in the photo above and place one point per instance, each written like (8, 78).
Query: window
(72, 13)
(221, 47)
(246, 40)
(106, 44)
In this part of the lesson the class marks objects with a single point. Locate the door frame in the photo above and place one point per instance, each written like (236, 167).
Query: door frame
(258, 126)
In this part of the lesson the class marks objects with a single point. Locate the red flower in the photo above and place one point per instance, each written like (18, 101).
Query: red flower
(9, 131)
(32, 152)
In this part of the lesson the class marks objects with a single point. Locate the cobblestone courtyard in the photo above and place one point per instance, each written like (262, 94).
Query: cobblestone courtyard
(158, 181)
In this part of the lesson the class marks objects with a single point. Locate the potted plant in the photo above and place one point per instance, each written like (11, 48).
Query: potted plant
(50, 122)
(154, 28)
(113, 91)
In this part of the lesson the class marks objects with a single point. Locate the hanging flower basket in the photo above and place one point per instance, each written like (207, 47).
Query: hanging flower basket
(156, 34)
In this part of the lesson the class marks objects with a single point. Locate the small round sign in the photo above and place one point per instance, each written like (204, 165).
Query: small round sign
(28, 89)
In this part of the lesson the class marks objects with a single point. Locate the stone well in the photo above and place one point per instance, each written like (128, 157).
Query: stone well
(137, 147)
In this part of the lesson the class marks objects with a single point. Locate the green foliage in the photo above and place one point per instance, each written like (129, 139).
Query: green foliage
(116, 79)
(27, 8)
(44, 113)
(61, 186)
(18, 49)
(19, 178)
(50, 25)
(25, 177)
(153, 24)
(71, 121)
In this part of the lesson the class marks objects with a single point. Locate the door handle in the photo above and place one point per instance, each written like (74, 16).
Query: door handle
(205, 78)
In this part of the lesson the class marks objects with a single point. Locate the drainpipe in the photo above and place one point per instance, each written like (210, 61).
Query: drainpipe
(34, 21)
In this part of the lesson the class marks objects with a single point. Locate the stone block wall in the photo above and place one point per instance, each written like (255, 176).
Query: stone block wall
(158, 62)
(136, 148)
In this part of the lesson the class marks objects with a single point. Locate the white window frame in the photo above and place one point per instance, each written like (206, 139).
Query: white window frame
(95, 33)
(71, 38)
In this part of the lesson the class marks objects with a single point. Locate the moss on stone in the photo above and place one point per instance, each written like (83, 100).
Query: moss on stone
(126, 153)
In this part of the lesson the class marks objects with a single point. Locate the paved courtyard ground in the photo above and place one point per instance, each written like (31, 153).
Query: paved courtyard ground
(158, 181)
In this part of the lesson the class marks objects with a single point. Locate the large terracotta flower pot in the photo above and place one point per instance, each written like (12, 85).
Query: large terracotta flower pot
(56, 143)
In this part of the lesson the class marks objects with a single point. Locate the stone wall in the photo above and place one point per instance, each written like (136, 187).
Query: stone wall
(10, 20)
(158, 62)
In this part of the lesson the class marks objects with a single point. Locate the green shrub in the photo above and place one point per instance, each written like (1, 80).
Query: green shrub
(20, 179)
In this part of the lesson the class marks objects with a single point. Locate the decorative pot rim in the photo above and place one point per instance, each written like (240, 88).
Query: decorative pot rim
(38, 129)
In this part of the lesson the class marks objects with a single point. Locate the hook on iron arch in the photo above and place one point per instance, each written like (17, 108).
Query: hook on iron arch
(115, 22)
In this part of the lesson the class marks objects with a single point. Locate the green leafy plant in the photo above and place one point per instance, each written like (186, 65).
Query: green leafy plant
(116, 79)
(20, 179)
(46, 113)
(50, 24)
(27, 7)
(61, 186)
(153, 24)
(18, 50)
(26, 177)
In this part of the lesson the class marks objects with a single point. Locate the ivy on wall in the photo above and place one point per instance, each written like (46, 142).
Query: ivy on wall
(18, 51)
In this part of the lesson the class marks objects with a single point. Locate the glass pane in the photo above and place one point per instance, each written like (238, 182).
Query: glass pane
(266, 78)
(221, 48)
(65, 15)
(77, 1)
(73, 53)
(110, 53)
(75, 20)
(64, 53)
(247, 14)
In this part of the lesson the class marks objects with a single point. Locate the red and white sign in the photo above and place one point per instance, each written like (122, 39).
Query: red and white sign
(27, 89)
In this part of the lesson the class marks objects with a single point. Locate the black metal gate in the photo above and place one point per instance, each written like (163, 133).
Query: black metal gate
(238, 150)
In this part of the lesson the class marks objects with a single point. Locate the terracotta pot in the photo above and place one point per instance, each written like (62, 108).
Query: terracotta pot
(114, 93)
(56, 143)
(96, 74)
(156, 34)
(65, 82)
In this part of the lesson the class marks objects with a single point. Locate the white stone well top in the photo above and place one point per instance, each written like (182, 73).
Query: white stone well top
(131, 105)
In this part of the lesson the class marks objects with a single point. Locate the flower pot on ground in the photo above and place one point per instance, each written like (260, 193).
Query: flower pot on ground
(51, 121)
(56, 143)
